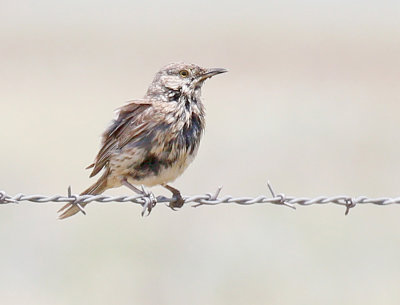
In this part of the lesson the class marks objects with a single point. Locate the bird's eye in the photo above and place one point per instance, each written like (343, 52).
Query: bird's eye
(184, 73)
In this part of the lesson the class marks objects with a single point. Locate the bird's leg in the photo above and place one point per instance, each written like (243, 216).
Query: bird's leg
(148, 204)
(131, 187)
(179, 201)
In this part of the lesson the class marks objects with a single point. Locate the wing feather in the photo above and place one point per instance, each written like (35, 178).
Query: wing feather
(130, 123)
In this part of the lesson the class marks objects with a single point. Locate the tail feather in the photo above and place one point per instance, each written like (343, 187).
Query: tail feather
(97, 188)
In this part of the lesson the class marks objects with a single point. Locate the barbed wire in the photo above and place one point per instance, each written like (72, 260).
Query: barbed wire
(148, 200)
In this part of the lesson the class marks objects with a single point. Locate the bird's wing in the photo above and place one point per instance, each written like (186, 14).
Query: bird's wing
(131, 121)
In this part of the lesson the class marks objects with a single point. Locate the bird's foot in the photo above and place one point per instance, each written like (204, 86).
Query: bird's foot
(178, 202)
(176, 195)
(149, 199)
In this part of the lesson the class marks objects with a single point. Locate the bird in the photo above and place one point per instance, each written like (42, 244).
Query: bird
(154, 139)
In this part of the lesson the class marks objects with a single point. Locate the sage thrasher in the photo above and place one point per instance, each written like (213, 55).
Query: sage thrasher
(154, 139)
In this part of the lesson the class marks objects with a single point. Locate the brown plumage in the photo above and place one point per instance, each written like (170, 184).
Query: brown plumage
(153, 140)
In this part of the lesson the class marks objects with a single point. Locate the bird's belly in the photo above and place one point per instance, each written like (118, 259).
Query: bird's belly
(147, 168)
(165, 172)
(165, 175)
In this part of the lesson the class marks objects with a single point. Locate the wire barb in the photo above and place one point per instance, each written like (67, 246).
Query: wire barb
(76, 201)
(150, 201)
(211, 198)
(5, 198)
(349, 204)
(282, 197)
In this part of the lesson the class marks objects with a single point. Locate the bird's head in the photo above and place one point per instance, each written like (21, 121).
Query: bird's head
(180, 79)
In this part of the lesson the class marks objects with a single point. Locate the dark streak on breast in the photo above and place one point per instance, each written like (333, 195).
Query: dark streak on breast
(187, 103)
(189, 136)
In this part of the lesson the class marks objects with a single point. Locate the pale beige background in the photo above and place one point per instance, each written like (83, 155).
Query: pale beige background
(311, 103)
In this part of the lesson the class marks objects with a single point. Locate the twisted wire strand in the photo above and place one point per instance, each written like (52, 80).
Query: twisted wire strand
(199, 200)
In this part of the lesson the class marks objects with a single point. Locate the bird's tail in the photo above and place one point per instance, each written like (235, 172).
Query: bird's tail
(99, 187)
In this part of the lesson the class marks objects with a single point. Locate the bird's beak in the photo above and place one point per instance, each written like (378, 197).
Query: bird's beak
(211, 72)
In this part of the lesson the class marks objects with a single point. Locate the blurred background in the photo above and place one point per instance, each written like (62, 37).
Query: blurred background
(311, 102)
